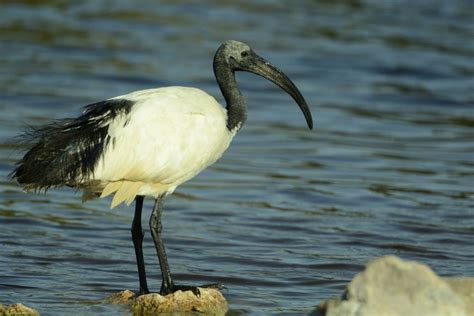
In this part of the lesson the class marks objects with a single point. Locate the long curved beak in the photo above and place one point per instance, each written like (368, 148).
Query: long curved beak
(262, 67)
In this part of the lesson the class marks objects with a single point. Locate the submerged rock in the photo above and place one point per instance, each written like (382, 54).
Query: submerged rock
(122, 297)
(17, 310)
(390, 286)
(210, 301)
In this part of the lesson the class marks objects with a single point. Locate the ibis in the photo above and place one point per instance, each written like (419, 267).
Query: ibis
(146, 143)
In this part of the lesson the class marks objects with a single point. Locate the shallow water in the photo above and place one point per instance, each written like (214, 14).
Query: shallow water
(287, 216)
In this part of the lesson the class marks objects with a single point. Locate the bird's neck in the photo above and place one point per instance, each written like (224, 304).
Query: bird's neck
(235, 103)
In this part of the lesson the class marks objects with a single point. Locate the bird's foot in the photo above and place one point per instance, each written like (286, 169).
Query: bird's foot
(195, 289)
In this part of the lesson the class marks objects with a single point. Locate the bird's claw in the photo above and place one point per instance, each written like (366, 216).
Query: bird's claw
(194, 289)
(216, 286)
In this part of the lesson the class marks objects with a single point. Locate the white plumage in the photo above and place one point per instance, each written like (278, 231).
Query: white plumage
(169, 136)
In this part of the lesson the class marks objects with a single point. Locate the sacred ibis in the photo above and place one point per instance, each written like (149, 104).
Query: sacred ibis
(146, 143)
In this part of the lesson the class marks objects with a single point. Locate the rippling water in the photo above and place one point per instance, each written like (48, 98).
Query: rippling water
(288, 215)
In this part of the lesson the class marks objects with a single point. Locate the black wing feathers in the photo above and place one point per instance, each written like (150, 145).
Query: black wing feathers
(67, 151)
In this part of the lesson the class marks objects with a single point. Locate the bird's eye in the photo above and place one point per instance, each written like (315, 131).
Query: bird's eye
(244, 53)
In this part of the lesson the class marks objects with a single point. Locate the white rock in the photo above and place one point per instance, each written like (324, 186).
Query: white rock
(390, 286)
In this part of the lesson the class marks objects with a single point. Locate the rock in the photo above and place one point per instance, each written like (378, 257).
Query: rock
(390, 286)
(17, 310)
(122, 297)
(211, 301)
(464, 287)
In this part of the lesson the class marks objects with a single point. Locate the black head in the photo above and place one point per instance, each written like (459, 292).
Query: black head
(240, 57)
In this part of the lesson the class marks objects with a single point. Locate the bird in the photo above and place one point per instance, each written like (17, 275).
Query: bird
(145, 144)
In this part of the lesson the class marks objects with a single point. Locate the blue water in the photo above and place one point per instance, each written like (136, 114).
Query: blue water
(288, 216)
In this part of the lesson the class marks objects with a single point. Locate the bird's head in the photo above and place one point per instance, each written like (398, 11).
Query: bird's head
(239, 56)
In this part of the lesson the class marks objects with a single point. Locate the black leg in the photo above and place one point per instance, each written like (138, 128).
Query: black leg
(137, 237)
(156, 228)
(168, 285)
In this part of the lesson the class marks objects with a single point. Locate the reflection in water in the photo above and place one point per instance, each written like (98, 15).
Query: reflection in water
(286, 215)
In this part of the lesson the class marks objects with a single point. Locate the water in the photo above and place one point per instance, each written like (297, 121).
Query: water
(287, 216)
